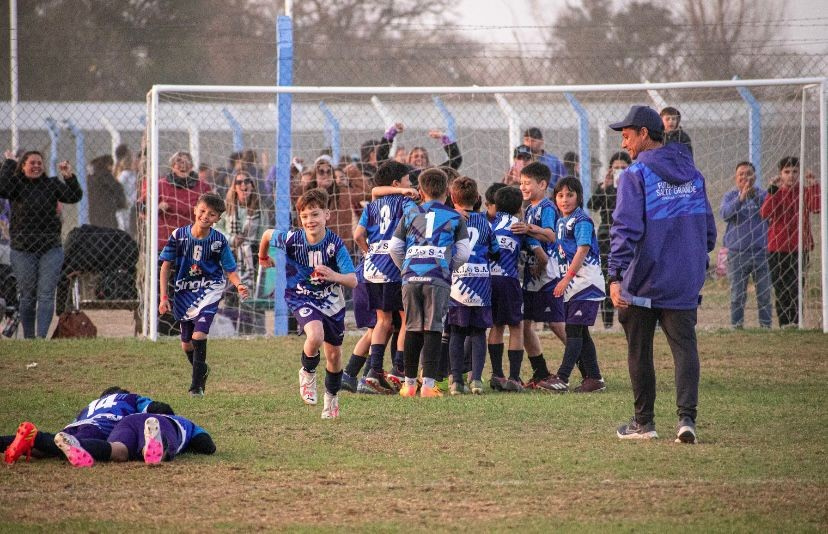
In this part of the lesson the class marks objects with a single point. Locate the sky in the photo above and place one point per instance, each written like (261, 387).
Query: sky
(807, 32)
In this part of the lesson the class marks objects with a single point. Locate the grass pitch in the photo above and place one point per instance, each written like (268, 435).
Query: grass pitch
(535, 462)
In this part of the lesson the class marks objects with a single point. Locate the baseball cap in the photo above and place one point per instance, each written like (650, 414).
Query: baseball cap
(522, 151)
(533, 133)
(640, 116)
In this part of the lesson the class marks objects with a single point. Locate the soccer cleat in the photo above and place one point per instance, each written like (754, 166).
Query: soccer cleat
(514, 385)
(429, 393)
(395, 382)
(553, 384)
(476, 387)
(456, 388)
(376, 381)
(349, 383)
(307, 387)
(395, 375)
(591, 385)
(635, 430)
(363, 387)
(197, 392)
(497, 383)
(408, 390)
(22, 444)
(686, 431)
(331, 409)
(153, 451)
(71, 448)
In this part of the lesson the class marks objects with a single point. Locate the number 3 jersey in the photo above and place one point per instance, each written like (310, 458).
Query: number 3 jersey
(198, 266)
(380, 218)
(470, 283)
(303, 288)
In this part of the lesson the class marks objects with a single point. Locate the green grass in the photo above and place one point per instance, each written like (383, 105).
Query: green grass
(495, 462)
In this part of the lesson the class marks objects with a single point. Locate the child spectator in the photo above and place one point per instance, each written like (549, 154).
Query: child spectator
(470, 299)
(318, 265)
(200, 256)
(673, 132)
(746, 240)
(507, 297)
(541, 273)
(781, 209)
(384, 281)
(522, 157)
(582, 286)
(491, 208)
(430, 242)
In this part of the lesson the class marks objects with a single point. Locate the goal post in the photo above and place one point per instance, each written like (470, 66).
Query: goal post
(792, 121)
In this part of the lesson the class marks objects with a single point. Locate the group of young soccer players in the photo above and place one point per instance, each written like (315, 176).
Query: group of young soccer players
(435, 275)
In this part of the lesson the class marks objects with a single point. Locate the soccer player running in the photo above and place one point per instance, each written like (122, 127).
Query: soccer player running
(662, 232)
(200, 256)
(318, 265)
(430, 242)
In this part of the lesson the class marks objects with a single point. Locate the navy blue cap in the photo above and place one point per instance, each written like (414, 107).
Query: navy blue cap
(640, 117)
(522, 151)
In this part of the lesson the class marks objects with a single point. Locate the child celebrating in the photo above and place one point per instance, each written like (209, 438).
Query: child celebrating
(430, 242)
(507, 297)
(470, 299)
(541, 272)
(582, 287)
(318, 265)
(200, 256)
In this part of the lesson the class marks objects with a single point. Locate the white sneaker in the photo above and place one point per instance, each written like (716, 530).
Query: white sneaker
(307, 386)
(153, 451)
(331, 410)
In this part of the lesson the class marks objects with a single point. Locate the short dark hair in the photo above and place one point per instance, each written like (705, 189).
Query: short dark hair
(121, 151)
(509, 199)
(654, 135)
(313, 198)
(621, 155)
(464, 191)
(670, 111)
(433, 182)
(213, 201)
(113, 390)
(390, 171)
(788, 161)
(533, 132)
(747, 164)
(538, 172)
(492, 190)
(573, 184)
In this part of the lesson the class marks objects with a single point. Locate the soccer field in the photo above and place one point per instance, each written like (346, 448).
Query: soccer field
(535, 462)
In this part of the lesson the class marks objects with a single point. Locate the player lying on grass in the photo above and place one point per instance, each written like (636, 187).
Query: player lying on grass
(96, 421)
(148, 437)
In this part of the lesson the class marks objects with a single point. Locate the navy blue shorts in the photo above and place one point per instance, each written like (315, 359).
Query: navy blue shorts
(85, 431)
(364, 316)
(385, 297)
(334, 327)
(130, 432)
(199, 324)
(582, 312)
(476, 316)
(543, 307)
(507, 300)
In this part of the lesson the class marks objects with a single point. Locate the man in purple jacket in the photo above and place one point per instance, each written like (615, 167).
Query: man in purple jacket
(662, 231)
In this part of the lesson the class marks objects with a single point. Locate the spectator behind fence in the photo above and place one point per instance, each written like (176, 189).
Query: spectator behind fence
(746, 240)
(242, 224)
(418, 157)
(178, 192)
(781, 209)
(35, 226)
(343, 202)
(522, 157)
(603, 201)
(673, 132)
(106, 194)
(125, 173)
(533, 138)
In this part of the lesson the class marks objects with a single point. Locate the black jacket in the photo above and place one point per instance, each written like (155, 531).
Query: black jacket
(35, 224)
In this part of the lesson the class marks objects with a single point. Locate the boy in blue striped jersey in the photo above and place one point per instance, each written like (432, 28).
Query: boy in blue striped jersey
(200, 256)
(470, 299)
(318, 265)
(430, 242)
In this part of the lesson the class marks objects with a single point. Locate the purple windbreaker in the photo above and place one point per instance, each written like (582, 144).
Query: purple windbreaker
(662, 231)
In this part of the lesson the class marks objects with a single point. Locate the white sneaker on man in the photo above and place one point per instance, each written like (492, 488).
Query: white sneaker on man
(307, 387)
(331, 409)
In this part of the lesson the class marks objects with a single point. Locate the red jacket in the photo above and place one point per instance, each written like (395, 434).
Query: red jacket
(781, 209)
(181, 203)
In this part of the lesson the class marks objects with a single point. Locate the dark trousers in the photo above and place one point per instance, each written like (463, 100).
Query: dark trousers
(680, 328)
(783, 270)
(607, 308)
